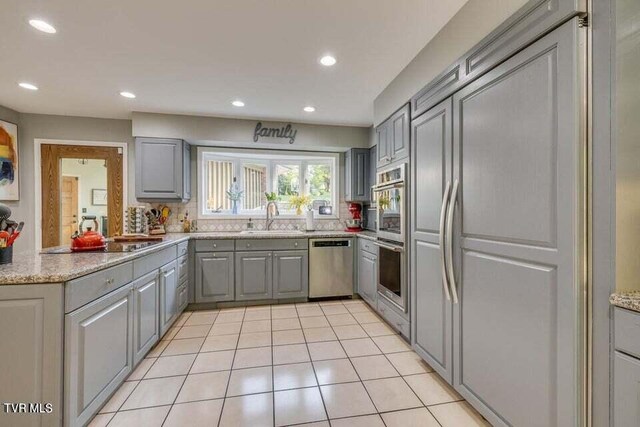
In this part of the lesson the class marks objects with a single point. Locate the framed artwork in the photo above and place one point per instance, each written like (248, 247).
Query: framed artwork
(9, 176)
(99, 197)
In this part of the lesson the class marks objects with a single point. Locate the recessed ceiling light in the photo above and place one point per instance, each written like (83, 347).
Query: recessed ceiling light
(309, 109)
(45, 27)
(127, 95)
(238, 103)
(29, 86)
(328, 60)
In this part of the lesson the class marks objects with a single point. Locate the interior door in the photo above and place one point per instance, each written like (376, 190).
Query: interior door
(69, 207)
(518, 337)
(430, 297)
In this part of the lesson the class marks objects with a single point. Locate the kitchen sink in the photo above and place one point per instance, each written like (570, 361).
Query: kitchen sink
(273, 232)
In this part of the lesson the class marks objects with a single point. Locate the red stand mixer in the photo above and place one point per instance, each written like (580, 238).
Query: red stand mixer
(355, 223)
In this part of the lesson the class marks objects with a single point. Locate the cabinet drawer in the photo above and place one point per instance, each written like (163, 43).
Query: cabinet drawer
(214, 245)
(85, 289)
(367, 246)
(396, 321)
(183, 248)
(271, 244)
(154, 261)
(183, 267)
(627, 331)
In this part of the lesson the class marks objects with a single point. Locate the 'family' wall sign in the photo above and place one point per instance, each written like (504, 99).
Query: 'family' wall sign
(285, 132)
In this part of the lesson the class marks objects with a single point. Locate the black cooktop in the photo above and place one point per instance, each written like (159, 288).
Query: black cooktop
(111, 247)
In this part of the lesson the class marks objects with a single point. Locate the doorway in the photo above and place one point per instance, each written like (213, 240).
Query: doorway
(78, 181)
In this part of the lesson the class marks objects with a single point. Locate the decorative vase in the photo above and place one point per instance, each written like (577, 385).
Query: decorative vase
(299, 210)
(234, 207)
(310, 221)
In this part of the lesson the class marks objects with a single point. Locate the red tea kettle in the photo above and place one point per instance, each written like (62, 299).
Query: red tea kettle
(89, 240)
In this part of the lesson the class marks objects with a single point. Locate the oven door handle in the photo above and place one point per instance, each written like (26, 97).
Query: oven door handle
(383, 187)
(442, 239)
(450, 217)
(389, 247)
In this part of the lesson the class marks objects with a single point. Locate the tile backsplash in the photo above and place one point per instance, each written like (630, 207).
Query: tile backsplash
(177, 209)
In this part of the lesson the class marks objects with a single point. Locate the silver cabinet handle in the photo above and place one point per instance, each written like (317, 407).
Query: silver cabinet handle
(389, 247)
(450, 215)
(443, 257)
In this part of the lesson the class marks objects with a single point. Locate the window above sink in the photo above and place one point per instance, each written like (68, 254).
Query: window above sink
(238, 183)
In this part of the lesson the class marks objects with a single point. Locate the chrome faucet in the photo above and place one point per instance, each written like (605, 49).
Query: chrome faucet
(269, 216)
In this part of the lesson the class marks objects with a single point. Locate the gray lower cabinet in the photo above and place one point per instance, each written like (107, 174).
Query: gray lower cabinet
(254, 279)
(290, 274)
(215, 279)
(163, 171)
(367, 276)
(31, 343)
(182, 297)
(98, 353)
(168, 295)
(146, 314)
(626, 391)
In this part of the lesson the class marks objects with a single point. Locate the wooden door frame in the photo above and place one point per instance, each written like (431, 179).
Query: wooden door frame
(39, 142)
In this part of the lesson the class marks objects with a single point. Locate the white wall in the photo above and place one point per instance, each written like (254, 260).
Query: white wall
(470, 25)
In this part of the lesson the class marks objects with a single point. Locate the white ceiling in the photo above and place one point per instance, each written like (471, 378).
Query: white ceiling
(196, 56)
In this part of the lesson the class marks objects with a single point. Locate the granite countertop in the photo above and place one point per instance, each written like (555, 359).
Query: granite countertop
(629, 300)
(30, 267)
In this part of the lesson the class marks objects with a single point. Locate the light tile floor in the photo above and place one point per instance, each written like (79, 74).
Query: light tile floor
(321, 364)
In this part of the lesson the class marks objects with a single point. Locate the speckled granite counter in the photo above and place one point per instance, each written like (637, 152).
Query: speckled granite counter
(629, 300)
(34, 267)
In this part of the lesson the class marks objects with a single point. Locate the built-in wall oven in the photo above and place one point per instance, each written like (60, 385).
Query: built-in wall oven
(391, 207)
(390, 192)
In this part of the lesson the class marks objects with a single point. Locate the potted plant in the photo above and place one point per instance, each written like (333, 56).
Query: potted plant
(299, 202)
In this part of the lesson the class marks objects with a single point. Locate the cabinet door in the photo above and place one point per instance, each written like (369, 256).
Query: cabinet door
(168, 302)
(146, 314)
(159, 168)
(253, 276)
(186, 171)
(399, 135)
(357, 175)
(431, 172)
(290, 274)
(367, 276)
(382, 138)
(98, 353)
(517, 155)
(183, 297)
(626, 391)
(214, 276)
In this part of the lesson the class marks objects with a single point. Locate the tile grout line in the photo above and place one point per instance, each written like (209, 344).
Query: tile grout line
(233, 361)
(315, 373)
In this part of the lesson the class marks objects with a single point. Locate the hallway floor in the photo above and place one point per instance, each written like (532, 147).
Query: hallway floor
(329, 363)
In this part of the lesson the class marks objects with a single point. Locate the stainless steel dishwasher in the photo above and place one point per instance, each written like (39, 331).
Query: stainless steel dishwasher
(330, 267)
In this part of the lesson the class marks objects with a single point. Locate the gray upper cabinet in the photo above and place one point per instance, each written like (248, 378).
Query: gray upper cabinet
(146, 314)
(214, 277)
(290, 274)
(431, 151)
(393, 138)
(525, 26)
(517, 153)
(357, 186)
(254, 278)
(163, 171)
(168, 295)
(98, 353)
